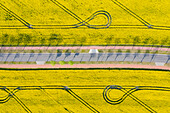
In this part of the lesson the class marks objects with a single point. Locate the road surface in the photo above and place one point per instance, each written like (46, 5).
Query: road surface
(131, 57)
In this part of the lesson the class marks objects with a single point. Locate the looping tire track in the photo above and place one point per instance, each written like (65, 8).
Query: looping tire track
(102, 12)
(127, 90)
(85, 22)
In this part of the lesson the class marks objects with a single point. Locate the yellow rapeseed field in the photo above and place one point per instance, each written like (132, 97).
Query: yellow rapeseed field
(60, 101)
(38, 12)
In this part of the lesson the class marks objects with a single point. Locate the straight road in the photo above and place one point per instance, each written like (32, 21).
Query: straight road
(131, 57)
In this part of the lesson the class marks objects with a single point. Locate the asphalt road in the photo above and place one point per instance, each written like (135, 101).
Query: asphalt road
(132, 57)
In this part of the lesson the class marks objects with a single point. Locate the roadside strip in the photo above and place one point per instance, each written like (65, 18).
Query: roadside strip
(86, 47)
(83, 66)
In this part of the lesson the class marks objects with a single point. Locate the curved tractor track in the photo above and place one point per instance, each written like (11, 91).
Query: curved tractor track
(11, 90)
(128, 92)
(81, 22)
(12, 94)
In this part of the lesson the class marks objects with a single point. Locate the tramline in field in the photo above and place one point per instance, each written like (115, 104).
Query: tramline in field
(42, 73)
(127, 90)
(85, 22)
(79, 22)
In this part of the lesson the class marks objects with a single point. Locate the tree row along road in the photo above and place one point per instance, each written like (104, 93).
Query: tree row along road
(130, 57)
(87, 47)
